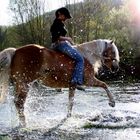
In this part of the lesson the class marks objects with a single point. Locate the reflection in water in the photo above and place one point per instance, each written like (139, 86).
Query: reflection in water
(92, 118)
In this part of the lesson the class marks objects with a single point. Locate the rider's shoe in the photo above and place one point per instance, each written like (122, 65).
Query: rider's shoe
(79, 87)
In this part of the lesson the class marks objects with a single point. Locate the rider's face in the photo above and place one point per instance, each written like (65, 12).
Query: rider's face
(62, 17)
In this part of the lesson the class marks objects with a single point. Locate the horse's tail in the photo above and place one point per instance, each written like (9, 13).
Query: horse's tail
(5, 63)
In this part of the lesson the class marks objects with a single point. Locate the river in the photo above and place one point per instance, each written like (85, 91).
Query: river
(92, 118)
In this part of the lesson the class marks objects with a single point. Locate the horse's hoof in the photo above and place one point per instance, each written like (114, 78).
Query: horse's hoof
(112, 103)
(58, 90)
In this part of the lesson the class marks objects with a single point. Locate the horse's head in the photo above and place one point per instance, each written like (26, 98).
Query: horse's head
(111, 56)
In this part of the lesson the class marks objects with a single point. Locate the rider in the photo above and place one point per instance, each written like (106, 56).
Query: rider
(64, 44)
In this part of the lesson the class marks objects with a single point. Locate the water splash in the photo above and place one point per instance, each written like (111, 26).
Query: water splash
(46, 112)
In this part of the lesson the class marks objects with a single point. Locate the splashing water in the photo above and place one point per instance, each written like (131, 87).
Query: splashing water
(46, 112)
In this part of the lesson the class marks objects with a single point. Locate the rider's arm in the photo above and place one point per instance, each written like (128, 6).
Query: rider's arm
(63, 38)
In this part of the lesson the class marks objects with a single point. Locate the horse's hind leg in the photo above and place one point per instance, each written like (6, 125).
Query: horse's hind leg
(71, 100)
(99, 83)
(20, 97)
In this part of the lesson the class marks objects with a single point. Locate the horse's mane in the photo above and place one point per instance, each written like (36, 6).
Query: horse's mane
(93, 51)
(102, 44)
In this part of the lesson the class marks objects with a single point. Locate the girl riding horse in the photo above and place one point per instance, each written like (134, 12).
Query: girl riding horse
(64, 44)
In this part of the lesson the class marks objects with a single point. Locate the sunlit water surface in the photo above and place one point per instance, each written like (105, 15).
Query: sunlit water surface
(92, 118)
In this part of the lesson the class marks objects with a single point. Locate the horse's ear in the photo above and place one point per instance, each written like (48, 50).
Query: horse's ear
(111, 42)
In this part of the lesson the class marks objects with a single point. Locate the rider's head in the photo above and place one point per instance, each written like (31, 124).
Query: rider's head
(63, 13)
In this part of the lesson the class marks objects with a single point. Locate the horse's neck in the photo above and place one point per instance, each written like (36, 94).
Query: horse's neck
(92, 51)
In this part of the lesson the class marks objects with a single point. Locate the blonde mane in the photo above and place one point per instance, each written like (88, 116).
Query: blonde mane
(93, 50)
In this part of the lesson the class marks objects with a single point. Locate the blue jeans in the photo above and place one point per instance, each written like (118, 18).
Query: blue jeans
(78, 73)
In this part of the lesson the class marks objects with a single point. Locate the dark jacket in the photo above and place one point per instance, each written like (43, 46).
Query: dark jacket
(57, 30)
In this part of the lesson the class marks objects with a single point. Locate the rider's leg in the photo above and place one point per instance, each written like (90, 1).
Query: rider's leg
(77, 76)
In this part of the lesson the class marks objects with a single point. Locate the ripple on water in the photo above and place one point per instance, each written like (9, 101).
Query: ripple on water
(113, 119)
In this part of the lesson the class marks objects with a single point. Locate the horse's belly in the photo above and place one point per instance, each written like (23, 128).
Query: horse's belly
(56, 79)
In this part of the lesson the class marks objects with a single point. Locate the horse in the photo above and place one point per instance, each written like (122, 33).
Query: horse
(32, 62)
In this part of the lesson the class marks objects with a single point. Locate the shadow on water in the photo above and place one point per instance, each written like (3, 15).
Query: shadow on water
(92, 118)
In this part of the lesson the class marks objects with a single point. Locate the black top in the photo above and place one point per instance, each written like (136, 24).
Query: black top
(57, 30)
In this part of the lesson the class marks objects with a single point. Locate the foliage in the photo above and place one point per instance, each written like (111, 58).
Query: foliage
(108, 19)
(3, 37)
(30, 20)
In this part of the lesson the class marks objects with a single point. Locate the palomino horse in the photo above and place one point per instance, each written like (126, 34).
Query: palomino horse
(33, 62)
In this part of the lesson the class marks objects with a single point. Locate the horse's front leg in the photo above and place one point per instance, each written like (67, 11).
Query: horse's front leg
(99, 83)
(71, 100)
(110, 96)
(20, 97)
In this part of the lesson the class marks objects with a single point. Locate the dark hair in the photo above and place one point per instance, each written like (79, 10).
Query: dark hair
(63, 11)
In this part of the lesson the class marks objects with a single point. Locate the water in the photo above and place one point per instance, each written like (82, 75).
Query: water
(92, 117)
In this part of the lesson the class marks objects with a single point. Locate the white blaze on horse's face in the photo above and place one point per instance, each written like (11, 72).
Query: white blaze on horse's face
(111, 56)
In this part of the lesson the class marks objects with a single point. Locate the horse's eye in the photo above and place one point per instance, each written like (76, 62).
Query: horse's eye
(105, 54)
(107, 60)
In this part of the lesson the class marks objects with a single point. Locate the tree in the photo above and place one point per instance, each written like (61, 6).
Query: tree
(3, 38)
(30, 20)
(87, 20)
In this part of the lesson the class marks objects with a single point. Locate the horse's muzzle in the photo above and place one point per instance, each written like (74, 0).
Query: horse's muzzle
(115, 67)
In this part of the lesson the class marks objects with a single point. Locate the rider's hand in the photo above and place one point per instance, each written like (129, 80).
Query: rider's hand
(70, 40)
